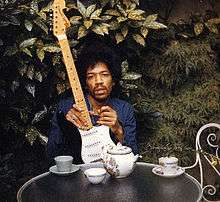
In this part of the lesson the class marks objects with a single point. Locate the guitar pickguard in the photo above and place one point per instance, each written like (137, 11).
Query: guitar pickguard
(93, 143)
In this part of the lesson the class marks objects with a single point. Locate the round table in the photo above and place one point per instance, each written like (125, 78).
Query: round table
(141, 185)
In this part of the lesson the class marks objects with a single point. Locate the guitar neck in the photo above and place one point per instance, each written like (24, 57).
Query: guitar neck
(74, 80)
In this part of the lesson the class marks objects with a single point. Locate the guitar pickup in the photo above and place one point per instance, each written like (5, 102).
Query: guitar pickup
(92, 145)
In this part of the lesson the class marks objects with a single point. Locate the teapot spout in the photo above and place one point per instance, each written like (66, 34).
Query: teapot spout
(136, 157)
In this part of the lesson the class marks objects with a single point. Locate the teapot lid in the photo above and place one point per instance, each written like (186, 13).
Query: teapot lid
(119, 149)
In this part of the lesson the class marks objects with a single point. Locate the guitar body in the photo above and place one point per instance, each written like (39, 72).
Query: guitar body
(93, 143)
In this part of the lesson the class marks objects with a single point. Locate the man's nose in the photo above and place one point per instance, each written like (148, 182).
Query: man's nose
(98, 79)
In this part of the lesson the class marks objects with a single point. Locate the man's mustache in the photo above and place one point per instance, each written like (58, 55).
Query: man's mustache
(99, 88)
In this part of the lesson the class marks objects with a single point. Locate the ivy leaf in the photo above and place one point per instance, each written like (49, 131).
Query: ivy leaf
(41, 24)
(61, 87)
(130, 86)
(121, 19)
(212, 28)
(124, 66)
(139, 39)
(136, 15)
(42, 15)
(156, 25)
(39, 115)
(51, 48)
(56, 59)
(122, 11)
(214, 21)
(27, 51)
(126, 3)
(106, 17)
(88, 23)
(82, 32)
(124, 31)
(34, 7)
(131, 76)
(13, 20)
(22, 70)
(14, 86)
(73, 43)
(62, 75)
(119, 37)
(71, 6)
(47, 8)
(136, 1)
(40, 54)
(90, 10)
(132, 6)
(100, 29)
(30, 72)
(198, 28)
(28, 42)
(95, 15)
(38, 76)
(114, 25)
(28, 25)
(150, 19)
(31, 89)
(144, 31)
(31, 134)
(81, 8)
(75, 20)
(112, 12)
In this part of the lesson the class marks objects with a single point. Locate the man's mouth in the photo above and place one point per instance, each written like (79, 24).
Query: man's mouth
(99, 91)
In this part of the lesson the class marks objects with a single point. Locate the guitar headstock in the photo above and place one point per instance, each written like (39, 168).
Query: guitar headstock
(60, 21)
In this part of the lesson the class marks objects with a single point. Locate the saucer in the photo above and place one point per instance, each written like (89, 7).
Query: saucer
(54, 170)
(157, 171)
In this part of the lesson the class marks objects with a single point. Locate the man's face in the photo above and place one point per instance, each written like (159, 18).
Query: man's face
(99, 81)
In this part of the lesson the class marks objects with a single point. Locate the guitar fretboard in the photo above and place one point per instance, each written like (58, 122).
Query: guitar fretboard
(74, 81)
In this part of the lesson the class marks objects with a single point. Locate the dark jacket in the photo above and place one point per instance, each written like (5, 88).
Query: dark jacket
(65, 139)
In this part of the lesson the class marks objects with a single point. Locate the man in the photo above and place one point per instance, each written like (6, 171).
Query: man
(100, 74)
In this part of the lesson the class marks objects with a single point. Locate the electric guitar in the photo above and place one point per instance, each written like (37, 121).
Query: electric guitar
(94, 138)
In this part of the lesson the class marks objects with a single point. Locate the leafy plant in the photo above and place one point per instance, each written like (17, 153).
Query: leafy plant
(123, 18)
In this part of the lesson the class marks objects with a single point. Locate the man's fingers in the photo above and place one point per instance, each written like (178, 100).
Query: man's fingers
(92, 113)
(108, 114)
(75, 107)
(106, 118)
(76, 119)
(106, 123)
(105, 109)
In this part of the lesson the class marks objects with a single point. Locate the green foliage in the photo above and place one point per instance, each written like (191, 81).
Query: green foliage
(182, 61)
(182, 96)
(123, 18)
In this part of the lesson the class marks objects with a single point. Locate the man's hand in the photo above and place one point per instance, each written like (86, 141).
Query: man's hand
(74, 115)
(109, 117)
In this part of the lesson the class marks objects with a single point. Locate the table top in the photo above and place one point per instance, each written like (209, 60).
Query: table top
(141, 185)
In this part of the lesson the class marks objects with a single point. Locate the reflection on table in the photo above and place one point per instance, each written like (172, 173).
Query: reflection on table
(141, 185)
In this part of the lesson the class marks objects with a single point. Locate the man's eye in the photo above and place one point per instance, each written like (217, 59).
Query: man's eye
(105, 75)
(90, 77)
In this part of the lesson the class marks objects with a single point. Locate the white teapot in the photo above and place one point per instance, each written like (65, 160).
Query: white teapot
(119, 160)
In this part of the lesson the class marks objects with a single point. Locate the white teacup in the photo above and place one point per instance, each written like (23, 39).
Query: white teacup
(95, 175)
(169, 165)
(64, 163)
